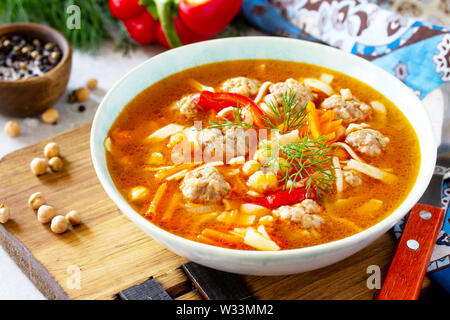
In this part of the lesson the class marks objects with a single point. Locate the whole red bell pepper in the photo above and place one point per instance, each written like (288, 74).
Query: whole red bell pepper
(142, 28)
(282, 198)
(125, 9)
(180, 21)
(140, 24)
(208, 17)
(185, 34)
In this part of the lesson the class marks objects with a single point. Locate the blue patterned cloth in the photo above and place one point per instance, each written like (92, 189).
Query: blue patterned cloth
(416, 52)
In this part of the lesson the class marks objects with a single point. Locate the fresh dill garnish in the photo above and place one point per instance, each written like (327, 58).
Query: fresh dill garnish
(287, 117)
(235, 122)
(307, 161)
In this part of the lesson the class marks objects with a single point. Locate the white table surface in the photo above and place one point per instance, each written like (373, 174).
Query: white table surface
(107, 66)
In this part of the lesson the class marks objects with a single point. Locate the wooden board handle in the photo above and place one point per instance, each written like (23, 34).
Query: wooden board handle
(409, 266)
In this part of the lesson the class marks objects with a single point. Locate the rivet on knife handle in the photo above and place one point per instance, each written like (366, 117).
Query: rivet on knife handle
(409, 266)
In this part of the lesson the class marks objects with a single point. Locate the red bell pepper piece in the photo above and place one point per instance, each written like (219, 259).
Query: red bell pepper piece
(185, 34)
(208, 17)
(142, 28)
(278, 199)
(125, 9)
(221, 100)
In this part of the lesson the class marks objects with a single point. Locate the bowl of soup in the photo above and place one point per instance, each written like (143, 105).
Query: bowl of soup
(262, 155)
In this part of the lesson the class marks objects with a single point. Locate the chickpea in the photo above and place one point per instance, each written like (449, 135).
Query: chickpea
(51, 150)
(36, 200)
(82, 94)
(55, 164)
(50, 116)
(4, 213)
(59, 224)
(250, 167)
(92, 83)
(73, 217)
(12, 128)
(39, 166)
(46, 213)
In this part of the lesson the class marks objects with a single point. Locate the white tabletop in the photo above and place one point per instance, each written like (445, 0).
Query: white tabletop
(107, 66)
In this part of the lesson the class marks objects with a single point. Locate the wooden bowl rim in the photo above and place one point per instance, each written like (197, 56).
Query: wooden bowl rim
(67, 50)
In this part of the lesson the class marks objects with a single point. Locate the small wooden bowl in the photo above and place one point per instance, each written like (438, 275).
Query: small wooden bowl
(30, 97)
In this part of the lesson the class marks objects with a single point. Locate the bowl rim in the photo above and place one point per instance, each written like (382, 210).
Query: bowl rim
(23, 27)
(351, 241)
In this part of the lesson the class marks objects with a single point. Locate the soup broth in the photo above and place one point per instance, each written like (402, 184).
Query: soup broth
(353, 160)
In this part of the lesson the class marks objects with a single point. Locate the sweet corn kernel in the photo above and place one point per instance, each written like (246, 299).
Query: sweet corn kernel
(279, 165)
(266, 220)
(174, 140)
(262, 182)
(156, 158)
(250, 167)
(262, 155)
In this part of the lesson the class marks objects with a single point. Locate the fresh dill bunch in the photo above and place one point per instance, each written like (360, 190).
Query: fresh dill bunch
(235, 122)
(308, 160)
(96, 21)
(287, 117)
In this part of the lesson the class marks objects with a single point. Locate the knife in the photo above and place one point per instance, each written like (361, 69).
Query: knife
(409, 266)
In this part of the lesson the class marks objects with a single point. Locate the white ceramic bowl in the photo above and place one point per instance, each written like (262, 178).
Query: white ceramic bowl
(257, 262)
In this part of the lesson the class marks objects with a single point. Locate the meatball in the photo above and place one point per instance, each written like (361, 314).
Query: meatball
(368, 141)
(352, 178)
(212, 141)
(347, 107)
(304, 212)
(187, 106)
(236, 141)
(245, 86)
(205, 185)
(277, 90)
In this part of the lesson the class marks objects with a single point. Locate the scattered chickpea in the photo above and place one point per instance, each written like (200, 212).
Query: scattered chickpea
(36, 200)
(51, 150)
(59, 224)
(50, 116)
(39, 166)
(92, 83)
(73, 217)
(12, 128)
(4, 213)
(82, 94)
(55, 164)
(45, 214)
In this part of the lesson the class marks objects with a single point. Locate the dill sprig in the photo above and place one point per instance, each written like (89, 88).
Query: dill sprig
(308, 161)
(235, 122)
(287, 117)
(96, 21)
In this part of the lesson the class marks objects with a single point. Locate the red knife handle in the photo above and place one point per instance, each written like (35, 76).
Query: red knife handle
(409, 266)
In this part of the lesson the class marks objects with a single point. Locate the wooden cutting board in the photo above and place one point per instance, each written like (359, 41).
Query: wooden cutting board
(108, 253)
